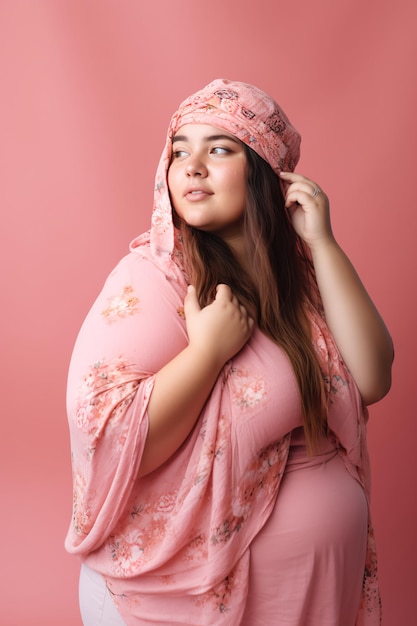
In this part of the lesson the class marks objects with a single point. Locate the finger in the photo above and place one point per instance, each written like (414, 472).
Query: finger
(249, 321)
(316, 191)
(224, 291)
(292, 177)
(301, 181)
(298, 198)
(191, 303)
(243, 311)
(235, 301)
(308, 187)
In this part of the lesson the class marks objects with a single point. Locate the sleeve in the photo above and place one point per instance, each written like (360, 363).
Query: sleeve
(133, 329)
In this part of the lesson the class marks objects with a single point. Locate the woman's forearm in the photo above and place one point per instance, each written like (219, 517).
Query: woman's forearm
(216, 333)
(180, 391)
(358, 329)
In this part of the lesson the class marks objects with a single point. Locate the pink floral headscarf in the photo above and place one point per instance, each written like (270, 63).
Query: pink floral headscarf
(242, 110)
(247, 113)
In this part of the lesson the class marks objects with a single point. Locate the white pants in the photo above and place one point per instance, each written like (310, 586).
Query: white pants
(96, 605)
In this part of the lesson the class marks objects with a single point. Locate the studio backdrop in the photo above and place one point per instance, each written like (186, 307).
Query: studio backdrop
(87, 90)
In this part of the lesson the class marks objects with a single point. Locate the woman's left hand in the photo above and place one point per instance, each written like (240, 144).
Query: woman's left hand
(360, 333)
(308, 207)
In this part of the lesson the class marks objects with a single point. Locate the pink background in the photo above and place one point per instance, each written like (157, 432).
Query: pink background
(87, 88)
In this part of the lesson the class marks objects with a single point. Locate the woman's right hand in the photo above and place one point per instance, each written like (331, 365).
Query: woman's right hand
(181, 388)
(220, 329)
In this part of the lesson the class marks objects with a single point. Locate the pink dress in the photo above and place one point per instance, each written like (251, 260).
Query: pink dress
(213, 536)
(307, 562)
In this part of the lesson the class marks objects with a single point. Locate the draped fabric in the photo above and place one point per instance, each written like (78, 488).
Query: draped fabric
(174, 545)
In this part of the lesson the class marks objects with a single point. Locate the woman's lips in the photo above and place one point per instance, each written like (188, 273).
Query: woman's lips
(197, 194)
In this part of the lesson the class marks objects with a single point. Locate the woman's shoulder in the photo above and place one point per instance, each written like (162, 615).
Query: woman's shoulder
(139, 271)
(137, 262)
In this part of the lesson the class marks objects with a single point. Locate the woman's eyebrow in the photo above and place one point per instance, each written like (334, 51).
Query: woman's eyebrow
(207, 139)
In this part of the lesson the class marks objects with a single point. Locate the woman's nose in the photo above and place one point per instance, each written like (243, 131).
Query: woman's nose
(196, 167)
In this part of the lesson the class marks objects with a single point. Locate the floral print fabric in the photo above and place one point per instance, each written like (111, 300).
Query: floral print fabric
(183, 533)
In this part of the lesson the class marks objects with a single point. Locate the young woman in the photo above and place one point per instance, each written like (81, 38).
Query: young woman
(216, 394)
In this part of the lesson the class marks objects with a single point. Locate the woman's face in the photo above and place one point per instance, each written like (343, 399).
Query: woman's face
(207, 179)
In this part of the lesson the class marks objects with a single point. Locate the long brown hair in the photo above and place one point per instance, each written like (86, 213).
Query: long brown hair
(274, 290)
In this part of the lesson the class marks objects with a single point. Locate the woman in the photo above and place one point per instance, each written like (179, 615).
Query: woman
(216, 394)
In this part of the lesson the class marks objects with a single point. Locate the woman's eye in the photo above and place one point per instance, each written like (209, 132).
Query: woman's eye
(220, 150)
(179, 153)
